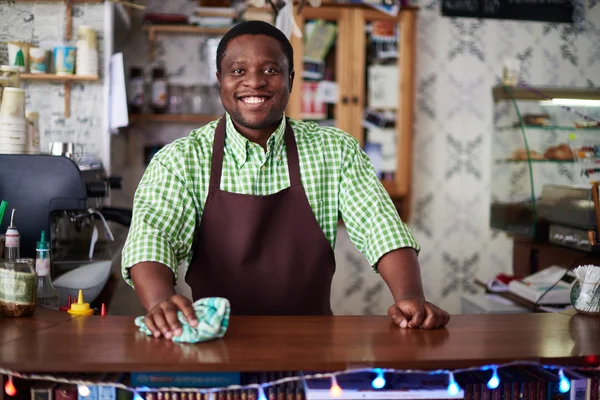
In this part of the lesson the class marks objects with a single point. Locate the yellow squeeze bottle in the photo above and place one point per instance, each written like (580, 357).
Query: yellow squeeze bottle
(80, 308)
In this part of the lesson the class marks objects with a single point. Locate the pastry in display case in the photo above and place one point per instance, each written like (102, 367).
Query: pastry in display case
(544, 138)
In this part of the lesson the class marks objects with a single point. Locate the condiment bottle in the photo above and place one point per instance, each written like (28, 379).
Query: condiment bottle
(47, 295)
(136, 90)
(159, 90)
(80, 308)
(12, 243)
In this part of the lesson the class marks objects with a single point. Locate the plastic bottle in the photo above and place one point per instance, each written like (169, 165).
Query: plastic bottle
(47, 295)
(12, 245)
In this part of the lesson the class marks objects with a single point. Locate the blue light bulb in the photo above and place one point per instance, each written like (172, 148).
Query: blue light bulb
(261, 393)
(494, 380)
(453, 387)
(564, 384)
(137, 396)
(379, 381)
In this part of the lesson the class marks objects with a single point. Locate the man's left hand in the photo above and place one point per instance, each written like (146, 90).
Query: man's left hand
(418, 313)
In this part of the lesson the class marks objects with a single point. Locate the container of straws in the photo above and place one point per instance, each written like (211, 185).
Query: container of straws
(585, 294)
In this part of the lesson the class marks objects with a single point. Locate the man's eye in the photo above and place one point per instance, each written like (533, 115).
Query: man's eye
(271, 70)
(237, 71)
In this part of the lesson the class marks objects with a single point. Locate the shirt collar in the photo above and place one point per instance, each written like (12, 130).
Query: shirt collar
(239, 145)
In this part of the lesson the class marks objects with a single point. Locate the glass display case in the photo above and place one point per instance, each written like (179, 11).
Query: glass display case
(546, 141)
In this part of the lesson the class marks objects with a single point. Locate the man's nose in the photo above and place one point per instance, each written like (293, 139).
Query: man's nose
(255, 79)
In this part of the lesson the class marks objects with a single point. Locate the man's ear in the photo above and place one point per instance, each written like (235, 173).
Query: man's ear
(291, 80)
(219, 79)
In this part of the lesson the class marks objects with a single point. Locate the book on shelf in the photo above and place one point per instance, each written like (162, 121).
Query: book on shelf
(548, 286)
(184, 379)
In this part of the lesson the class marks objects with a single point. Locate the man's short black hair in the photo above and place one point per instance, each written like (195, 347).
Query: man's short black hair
(256, 28)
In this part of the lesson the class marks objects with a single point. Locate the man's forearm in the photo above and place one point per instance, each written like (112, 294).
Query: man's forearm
(153, 282)
(401, 272)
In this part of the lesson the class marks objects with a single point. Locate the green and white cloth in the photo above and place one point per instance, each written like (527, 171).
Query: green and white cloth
(213, 319)
(337, 176)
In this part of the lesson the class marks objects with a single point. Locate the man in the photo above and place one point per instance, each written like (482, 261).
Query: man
(252, 202)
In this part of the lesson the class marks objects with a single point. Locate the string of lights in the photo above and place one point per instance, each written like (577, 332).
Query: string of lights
(336, 391)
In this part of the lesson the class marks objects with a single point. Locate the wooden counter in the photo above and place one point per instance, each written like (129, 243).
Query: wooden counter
(55, 342)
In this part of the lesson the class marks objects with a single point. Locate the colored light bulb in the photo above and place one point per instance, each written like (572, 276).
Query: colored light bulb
(137, 396)
(453, 387)
(564, 384)
(83, 390)
(10, 388)
(261, 393)
(494, 381)
(336, 390)
(379, 381)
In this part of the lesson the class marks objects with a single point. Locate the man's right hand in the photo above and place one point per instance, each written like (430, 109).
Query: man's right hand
(162, 318)
(154, 284)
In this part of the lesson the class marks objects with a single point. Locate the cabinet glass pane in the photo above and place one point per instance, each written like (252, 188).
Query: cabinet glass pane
(381, 96)
(320, 50)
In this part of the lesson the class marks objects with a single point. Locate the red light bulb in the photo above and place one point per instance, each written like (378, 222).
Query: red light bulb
(10, 388)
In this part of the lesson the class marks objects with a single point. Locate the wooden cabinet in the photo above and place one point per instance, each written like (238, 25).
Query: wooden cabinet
(348, 65)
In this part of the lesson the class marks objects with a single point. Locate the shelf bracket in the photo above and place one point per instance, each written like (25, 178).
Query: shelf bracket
(67, 99)
(152, 42)
(68, 19)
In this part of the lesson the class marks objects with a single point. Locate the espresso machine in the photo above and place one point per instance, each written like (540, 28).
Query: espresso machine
(46, 190)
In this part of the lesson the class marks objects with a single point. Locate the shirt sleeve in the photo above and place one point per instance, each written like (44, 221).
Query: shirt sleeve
(164, 216)
(371, 218)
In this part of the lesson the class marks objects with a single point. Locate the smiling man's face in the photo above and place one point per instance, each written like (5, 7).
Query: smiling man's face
(255, 82)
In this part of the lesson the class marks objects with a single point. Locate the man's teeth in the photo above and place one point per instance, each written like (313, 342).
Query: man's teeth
(253, 100)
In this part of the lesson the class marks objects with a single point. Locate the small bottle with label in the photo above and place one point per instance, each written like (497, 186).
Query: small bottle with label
(47, 296)
(136, 90)
(12, 243)
(159, 90)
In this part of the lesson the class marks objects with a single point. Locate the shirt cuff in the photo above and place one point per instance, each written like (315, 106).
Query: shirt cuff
(402, 239)
(143, 248)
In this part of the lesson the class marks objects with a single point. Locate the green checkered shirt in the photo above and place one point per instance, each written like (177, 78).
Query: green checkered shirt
(337, 176)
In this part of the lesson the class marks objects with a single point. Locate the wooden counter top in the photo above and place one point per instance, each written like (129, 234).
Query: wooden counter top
(59, 343)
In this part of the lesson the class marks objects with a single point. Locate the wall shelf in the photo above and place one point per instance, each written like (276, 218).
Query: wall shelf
(59, 78)
(66, 79)
(154, 30)
(173, 118)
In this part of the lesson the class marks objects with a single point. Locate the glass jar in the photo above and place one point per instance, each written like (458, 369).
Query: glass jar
(18, 287)
(176, 99)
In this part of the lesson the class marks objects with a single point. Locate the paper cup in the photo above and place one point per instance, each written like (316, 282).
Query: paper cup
(16, 139)
(16, 124)
(37, 60)
(88, 37)
(12, 149)
(18, 55)
(13, 103)
(64, 60)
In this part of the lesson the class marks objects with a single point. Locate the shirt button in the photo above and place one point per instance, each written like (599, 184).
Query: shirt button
(278, 158)
(263, 168)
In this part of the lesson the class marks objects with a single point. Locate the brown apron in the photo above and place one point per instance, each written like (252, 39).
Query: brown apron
(266, 254)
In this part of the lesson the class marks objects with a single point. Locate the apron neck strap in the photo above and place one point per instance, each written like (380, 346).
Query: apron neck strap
(219, 146)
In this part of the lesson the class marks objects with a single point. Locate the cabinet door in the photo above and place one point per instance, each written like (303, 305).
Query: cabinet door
(382, 93)
(302, 103)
